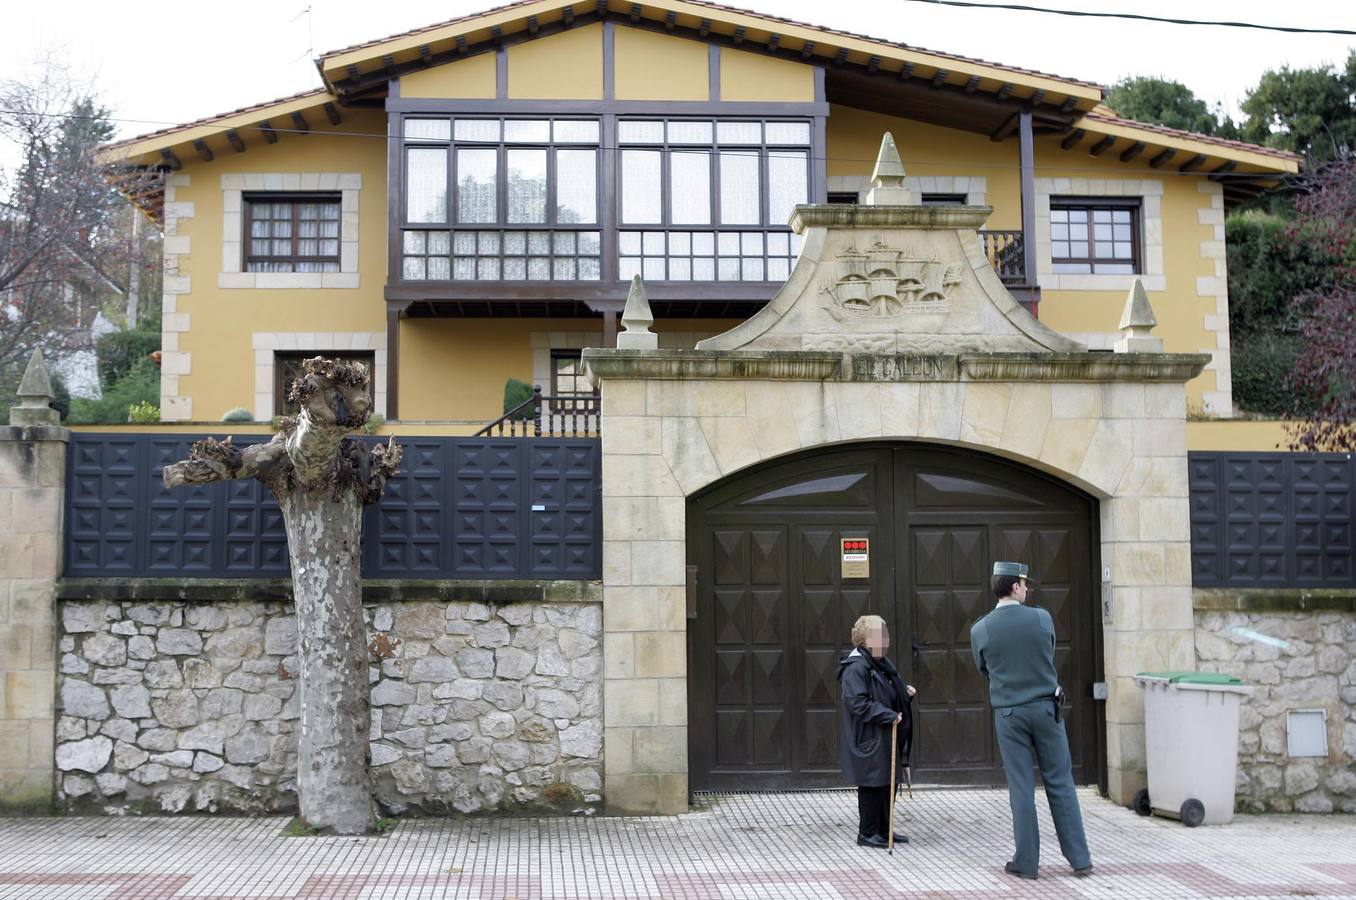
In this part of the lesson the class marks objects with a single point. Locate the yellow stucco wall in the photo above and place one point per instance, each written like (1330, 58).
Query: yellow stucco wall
(653, 66)
(564, 66)
(1237, 434)
(221, 321)
(472, 78)
(853, 139)
(749, 75)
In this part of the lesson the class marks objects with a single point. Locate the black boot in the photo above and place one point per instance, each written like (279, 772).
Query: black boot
(872, 840)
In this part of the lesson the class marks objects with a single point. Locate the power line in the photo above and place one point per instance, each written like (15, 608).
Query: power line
(1138, 17)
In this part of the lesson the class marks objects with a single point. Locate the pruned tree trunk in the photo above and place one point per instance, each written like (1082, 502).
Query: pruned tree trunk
(322, 478)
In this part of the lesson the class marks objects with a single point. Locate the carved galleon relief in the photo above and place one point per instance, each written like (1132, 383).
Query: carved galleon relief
(884, 282)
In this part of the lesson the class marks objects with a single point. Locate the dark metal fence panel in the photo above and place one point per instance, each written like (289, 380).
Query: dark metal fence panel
(1272, 519)
(461, 508)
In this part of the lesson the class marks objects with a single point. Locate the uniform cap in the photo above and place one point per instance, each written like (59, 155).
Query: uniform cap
(1014, 569)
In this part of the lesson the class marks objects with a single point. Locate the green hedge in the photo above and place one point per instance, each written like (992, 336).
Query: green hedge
(119, 351)
(141, 384)
(1261, 363)
(1267, 269)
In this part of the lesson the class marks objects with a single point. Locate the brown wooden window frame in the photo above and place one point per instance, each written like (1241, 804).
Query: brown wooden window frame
(1090, 205)
(296, 199)
(569, 400)
(280, 376)
(943, 199)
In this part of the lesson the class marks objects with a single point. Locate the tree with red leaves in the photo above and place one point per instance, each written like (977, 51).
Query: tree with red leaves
(1325, 372)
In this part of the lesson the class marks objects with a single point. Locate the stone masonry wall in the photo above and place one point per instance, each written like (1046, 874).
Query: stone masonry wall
(1313, 666)
(191, 706)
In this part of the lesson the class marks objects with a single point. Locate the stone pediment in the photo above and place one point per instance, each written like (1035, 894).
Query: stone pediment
(893, 278)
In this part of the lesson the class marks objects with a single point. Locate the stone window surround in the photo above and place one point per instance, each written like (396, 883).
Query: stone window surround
(233, 188)
(266, 342)
(1150, 194)
(974, 187)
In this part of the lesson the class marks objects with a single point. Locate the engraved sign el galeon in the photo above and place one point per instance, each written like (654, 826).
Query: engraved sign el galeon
(882, 283)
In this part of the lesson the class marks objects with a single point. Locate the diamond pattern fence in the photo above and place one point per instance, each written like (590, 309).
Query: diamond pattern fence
(1272, 519)
(485, 508)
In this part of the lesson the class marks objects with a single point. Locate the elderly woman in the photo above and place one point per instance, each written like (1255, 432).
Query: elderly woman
(875, 700)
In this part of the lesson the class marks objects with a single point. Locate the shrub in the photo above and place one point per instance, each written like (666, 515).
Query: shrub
(1261, 364)
(515, 393)
(1267, 269)
(120, 351)
(141, 384)
(374, 423)
(239, 414)
(143, 413)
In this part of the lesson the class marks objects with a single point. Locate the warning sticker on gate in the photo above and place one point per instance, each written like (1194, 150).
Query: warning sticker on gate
(856, 557)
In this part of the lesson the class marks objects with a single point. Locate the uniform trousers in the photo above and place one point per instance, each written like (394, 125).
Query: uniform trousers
(1029, 737)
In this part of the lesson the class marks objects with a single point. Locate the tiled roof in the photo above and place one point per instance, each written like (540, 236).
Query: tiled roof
(1094, 117)
(728, 9)
(315, 92)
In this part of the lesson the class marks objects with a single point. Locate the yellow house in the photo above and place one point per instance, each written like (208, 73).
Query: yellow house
(466, 203)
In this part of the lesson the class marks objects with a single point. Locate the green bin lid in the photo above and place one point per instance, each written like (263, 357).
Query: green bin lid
(1184, 677)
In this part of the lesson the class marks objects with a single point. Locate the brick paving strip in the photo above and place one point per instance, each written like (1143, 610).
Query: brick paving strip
(731, 847)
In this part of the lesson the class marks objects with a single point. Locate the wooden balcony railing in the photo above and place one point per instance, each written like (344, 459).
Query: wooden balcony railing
(570, 415)
(1006, 252)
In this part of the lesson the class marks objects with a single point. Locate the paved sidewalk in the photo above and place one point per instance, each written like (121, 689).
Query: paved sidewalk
(732, 847)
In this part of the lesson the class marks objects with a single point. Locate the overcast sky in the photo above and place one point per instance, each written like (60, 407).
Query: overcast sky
(170, 63)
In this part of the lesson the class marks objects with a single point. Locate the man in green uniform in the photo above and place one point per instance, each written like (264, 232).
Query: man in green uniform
(1014, 646)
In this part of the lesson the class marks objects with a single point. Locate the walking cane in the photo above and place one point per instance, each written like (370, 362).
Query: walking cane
(894, 732)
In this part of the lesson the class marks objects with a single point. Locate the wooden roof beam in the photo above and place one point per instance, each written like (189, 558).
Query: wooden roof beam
(1068, 105)
(1072, 140)
(841, 56)
(1158, 159)
(635, 13)
(1101, 146)
(939, 77)
(300, 122)
(233, 137)
(601, 7)
(1132, 151)
(1219, 172)
(170, 159)
(773, 42)
(533, 25)
(1192, 163)
(906, 72)
(740, 33)
(426, 54)
(972, 85)
(873, 65)
(497, 34)
(670, 20)
(269, 134)
(1004, 91)
(704, 27)
(203, 150)
(388, 62)
(332, 113)
(1008, 127)
(462, 46)
(1035, 100)
(567, 16)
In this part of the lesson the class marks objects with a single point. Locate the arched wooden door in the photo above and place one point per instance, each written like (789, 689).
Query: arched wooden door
(774, 610)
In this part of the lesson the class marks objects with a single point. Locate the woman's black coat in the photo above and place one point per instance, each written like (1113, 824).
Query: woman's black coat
(869, 709)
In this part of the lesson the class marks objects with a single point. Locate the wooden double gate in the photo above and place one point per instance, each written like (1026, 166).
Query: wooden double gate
(774, 612)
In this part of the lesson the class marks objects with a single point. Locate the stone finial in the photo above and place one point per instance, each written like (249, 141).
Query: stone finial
(1137, 320)
(35, 392)
(637, 319)
(887, 178)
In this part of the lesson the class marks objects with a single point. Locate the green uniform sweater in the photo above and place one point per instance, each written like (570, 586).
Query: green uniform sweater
(1014, 646)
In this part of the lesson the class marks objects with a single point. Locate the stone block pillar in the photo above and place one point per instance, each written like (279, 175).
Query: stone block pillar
(32, 481)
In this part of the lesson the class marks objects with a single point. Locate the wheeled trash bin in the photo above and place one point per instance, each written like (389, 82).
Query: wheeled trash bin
(1191, 745)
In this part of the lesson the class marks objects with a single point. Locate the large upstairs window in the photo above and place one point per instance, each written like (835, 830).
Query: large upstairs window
(522, 203)
(709, 199)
